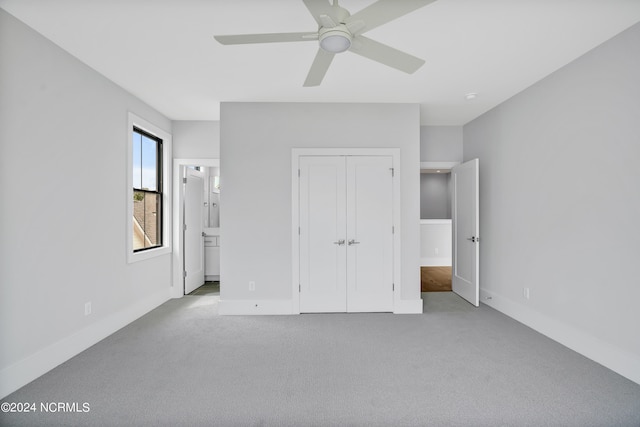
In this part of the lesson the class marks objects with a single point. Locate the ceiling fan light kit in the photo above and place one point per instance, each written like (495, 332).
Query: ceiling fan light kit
(335, 40)
(339, 31)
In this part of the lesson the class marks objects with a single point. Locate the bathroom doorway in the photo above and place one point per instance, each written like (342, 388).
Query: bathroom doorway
(197, 244)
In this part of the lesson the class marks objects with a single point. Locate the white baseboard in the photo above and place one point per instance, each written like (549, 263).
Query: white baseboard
(28, 369)
(408, 306)
(610, 356)
(249, 307)
(269, 307)
(436, 262)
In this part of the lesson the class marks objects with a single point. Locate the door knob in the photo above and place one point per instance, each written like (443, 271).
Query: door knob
(353, 242)
(339, 242)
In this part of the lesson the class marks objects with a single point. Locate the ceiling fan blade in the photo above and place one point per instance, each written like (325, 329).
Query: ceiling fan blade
(319, 7)
(384, 11)
(385, 54)
(319, 68)
(354, 27)
(266, 38)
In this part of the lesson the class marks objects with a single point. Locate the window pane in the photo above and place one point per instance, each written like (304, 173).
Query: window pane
(138, 220)
(146, 177)
(149, 164)
(137, 160)
(152, 219)
(146, 220)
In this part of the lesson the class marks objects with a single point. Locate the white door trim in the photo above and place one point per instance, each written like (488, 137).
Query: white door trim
(296, 153)
(437, 165)
(177, 289)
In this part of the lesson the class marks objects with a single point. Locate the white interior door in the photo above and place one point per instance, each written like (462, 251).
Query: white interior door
(369, 233)
(193, 237)
(466, 231)
(346, 233)
(322, 234)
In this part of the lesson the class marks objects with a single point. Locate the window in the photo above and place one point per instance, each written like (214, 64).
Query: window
(147, 191)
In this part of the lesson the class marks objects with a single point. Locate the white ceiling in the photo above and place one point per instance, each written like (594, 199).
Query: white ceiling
(163, 51)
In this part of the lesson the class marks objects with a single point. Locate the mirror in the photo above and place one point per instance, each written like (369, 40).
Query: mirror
(212, 197)
(211, 178)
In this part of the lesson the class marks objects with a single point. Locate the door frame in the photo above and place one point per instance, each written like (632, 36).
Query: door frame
(177, 285)
(296, 153)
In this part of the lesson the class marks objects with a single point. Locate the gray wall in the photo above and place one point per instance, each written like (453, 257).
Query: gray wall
(438, 144)
(63, 175)
(560, 203)
(196, 139)
(256, 172)
(441, 143)
(435, 196)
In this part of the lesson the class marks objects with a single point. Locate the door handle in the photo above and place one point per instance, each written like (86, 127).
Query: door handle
(474, 239)
(339, 242)
(353, 242)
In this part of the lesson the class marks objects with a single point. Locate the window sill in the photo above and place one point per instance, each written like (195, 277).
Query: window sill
(144, 255)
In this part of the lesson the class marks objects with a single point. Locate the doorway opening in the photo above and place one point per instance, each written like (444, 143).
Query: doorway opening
(460, 193)
(435, 230)
(196, 228)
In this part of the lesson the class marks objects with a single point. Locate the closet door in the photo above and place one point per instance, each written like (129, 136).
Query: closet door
(322, 210)
(369, 233)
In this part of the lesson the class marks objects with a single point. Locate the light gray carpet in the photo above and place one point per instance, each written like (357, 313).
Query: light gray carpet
(209, 288)
(455, 365)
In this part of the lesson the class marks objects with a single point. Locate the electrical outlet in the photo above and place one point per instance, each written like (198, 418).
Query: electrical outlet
(525, 292)
(252, 285)
(87, 308)
(437, 251)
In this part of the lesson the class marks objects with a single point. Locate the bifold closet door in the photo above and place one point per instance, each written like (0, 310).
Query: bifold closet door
(369, 233)
(346, 236)
(322, 233)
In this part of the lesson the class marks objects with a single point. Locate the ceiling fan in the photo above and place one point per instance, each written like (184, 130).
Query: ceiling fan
(339, 31)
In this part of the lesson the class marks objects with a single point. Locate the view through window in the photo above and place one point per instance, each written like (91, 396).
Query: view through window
(147, 191)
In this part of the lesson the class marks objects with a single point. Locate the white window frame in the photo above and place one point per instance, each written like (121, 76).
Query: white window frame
(140, 123)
